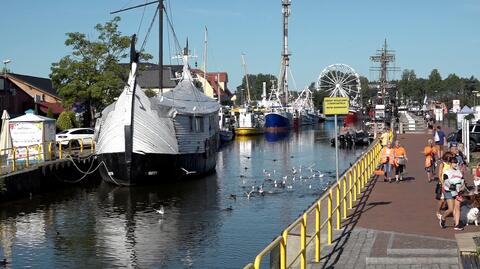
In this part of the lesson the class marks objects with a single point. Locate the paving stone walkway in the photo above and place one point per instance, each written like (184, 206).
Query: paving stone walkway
(393, 225)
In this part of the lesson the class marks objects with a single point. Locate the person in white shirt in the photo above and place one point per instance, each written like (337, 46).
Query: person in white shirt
(453, 184)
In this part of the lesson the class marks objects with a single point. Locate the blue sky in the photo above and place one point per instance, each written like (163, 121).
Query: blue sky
(425, 34)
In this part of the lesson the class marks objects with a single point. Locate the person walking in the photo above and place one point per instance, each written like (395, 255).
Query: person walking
(430, 153)
(387, 159)
(400, 160)
(439, 193)
(439, 138)
(385, 138)
(452, 186)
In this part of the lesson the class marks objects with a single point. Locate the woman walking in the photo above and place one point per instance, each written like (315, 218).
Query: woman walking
(453, 184)
(439, 193)
(387, 159)
(400, 160)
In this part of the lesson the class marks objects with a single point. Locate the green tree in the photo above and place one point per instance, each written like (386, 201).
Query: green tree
(66, 120)
(92, 74)
(50, 113)
(256, 86)
(434, 84)
(150, 93)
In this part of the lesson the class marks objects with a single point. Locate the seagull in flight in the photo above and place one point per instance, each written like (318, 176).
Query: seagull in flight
(188, 172)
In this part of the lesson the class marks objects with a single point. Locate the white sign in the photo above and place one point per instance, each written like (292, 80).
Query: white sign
(456, 106)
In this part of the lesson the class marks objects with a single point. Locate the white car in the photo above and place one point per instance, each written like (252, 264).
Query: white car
(76, 135)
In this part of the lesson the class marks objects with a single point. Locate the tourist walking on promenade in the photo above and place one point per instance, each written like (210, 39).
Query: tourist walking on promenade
(439, 193)
(400, 160)
(387, 159)
(453, 184)
(385, 137)
(430, 153)
(439, 138)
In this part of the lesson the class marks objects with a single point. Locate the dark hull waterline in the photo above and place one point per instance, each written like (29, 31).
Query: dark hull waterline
(153, 168)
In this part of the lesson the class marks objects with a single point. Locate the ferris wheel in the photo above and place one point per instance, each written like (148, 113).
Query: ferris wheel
(340, 80)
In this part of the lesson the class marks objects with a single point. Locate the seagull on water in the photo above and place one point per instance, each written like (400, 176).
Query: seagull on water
(160, 211)
(249, 193)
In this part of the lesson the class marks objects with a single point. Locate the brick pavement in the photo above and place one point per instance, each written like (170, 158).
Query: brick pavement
(394, 225)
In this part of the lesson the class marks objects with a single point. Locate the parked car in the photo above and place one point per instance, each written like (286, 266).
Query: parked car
(76, 135)
(474, 142)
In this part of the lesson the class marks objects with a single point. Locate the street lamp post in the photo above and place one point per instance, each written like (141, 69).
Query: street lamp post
(5, 62)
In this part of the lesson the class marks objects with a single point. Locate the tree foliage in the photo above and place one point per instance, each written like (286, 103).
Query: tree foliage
(92, 74)
(256, 86)
(66, 120)
(413, 89)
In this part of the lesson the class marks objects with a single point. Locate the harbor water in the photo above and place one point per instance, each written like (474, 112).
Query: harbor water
(208, 222)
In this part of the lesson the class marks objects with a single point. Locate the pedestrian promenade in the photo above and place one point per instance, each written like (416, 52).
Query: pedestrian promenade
(393, 225)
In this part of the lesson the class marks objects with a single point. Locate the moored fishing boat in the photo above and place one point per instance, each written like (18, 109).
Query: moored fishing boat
(142, 139)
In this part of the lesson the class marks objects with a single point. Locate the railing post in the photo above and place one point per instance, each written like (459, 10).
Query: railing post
(283, 251)
(39, 150)
(354, 183)
(350, 188)
(92, 145)
(81, 145)
(317, 232)
(50, 151)
(60, 151)
(303, 243)
(344, 197)
(329, 215)
(338, 206)
(14, 163)
(359, 179)
(27, 162)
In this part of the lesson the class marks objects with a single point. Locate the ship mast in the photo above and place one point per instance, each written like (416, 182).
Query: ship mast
(283, 80)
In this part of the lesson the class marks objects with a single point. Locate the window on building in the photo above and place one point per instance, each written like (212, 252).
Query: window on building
(199, 124)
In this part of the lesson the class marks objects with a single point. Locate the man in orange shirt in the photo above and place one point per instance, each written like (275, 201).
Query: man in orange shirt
(430, 152)
(400, 157)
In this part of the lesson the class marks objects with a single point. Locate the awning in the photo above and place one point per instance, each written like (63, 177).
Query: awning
(56, 107)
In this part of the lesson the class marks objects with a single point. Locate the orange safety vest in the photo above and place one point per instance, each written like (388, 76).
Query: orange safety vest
(429, 152)
(399, 152)
(387, 155)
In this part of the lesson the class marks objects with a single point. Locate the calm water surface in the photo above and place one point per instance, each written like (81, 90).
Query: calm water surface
(103, 226)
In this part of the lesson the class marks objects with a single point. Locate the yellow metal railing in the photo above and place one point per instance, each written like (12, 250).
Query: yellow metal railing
(17, 158)
(339, 198)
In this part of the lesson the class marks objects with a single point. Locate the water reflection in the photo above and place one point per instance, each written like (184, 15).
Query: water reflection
(99, 225)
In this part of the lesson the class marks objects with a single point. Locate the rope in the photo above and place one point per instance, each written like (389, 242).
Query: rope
(84, 173)
(141, 20)
(149, 30)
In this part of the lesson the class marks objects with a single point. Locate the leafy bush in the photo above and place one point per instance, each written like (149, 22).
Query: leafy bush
(470, 117)
(150, 93)
(66, 120)
(50, 113)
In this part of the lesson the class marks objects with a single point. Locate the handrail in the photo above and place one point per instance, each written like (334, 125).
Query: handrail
(356, 177)
(16, 158)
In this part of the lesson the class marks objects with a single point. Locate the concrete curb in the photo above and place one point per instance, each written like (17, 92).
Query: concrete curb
(412, 260)
(423, 251)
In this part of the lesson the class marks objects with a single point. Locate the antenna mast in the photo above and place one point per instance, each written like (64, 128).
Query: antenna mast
(283, 80)
(246, 78)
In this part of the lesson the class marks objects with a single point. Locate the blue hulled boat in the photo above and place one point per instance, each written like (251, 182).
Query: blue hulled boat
(278, 121)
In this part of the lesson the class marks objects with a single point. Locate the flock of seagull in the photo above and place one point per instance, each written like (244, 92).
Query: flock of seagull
(275, 182)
